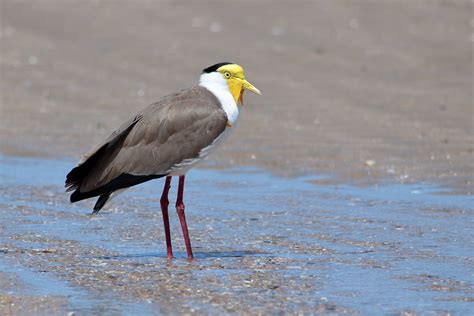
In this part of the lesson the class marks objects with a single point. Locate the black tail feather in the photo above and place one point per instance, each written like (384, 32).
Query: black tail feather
(101, 202)
(77, 175)
(121, 182)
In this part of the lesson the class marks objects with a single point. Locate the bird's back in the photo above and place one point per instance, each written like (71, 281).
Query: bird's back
(150, 144)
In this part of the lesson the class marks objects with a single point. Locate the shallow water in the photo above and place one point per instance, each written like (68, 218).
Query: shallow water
(262, 244)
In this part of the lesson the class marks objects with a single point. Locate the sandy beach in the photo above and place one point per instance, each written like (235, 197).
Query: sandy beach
(359, 91)
(346, 176)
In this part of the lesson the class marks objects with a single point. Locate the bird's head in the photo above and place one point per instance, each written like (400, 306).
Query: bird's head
(233, 75)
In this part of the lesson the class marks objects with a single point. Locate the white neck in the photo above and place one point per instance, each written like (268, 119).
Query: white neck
(216, 83)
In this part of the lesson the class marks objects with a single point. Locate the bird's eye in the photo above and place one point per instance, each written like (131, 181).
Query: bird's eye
(227, 74)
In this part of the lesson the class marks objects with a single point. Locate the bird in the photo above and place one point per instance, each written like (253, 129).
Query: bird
(164, 140)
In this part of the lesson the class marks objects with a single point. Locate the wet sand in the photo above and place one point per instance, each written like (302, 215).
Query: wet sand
(368, 93)
(365, 92)
(263, 244)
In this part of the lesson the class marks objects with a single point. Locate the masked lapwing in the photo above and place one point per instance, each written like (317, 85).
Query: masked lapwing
(165, 139)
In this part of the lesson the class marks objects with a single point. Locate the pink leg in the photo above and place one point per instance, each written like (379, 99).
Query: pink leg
(164, 209)
(182, 218)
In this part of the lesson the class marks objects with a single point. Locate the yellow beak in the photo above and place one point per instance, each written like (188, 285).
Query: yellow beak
(248, 86)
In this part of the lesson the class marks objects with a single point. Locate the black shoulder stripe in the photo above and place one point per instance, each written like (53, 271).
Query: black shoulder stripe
(214, 68)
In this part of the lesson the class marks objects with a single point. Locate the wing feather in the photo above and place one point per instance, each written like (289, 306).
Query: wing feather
(159, 137)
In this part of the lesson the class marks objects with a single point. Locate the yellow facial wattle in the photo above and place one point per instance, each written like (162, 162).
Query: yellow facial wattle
(235, 87)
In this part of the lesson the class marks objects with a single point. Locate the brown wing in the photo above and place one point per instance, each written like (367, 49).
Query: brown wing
(150, 144)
